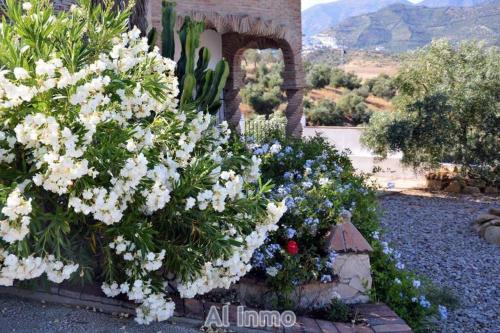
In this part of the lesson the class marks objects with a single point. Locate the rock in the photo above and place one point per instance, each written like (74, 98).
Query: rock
(454, 187)
(471, 190)
(494, 211)
(482, 228)
(485, 218)
(492, 190)
(492, 234)
(434, 185)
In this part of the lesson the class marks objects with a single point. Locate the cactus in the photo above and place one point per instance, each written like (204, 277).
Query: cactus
(200, 87)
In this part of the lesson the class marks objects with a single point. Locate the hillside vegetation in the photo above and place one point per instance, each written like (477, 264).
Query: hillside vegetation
(398, 28)
(321, 17)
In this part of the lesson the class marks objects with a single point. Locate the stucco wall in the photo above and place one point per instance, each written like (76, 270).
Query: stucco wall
(209, 39)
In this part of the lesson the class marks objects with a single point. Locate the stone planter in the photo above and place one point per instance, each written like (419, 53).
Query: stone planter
(351, 269)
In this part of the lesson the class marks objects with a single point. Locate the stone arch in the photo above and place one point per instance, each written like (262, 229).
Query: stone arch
(233, 47)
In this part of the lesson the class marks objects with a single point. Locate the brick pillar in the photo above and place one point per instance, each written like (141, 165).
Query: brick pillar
(294, 112)
(232, 112)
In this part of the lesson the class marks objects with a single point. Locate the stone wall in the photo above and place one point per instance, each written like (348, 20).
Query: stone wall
(352, 286)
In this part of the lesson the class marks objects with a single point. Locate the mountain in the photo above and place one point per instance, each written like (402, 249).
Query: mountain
(323, 16)
(398, 28)
(451, 3)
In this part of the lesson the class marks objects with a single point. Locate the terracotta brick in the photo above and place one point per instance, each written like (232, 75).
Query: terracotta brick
(309, 325)
(345, 328)
(297, 328)
(327, 326)
(193, 309)
(375, 310)
(345, 237)
(392, 328)
(179, 306)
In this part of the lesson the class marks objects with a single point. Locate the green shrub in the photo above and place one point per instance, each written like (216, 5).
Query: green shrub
(382, 86)
(363, 91)
(324, 113)
(353, 107)
(319, 76)
(338, 311)
(264, 93)
(340, 79)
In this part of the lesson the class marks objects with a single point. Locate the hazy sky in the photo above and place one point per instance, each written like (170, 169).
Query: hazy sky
(308, 3)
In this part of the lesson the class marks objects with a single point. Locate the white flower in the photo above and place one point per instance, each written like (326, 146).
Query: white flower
(272, 271)
(27, 6)
(190, 202)
(20, 73)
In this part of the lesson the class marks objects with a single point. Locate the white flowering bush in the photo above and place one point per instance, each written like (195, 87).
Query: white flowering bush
(104, 177)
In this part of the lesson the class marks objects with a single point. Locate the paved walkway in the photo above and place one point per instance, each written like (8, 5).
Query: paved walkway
(84, 315)
(24, 316)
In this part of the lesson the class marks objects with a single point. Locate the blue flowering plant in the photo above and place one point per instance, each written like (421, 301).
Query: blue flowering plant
(317, 184)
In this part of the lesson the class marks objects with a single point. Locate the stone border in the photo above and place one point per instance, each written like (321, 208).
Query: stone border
(191, 313)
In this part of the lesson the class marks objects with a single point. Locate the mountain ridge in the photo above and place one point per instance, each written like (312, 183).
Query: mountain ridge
(400, 27)
(320, 17)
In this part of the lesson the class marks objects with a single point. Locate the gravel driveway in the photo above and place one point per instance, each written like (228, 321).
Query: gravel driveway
(435, 239)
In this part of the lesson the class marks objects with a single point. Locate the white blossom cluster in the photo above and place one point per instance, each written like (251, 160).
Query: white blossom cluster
(154, 305)
(223, 272)
(148, 262)
(6, 149)
(17, 210)
(13, 268)
(59, 145)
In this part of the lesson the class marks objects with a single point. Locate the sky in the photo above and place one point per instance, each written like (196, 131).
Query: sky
(308, 3)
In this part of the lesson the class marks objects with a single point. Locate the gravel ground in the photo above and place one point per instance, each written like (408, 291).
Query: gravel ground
(23, 316)
(435, 239)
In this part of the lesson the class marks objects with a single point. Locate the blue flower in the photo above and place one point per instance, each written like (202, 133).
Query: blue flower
(328, 203)
(443, 312)
(326, 278)
(311, 221)
(258, 260)
(416, 283)
(271, 250)
(332, 255)
(424, 302)
(300, 154)
(290, 202)
(288, 175)
(307, 184)
(290, 233)
(308, 164)
(288, 149)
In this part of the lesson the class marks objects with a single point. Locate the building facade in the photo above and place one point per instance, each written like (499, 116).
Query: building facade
(234, 26)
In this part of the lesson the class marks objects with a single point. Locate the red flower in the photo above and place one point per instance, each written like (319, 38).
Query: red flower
(292, 247)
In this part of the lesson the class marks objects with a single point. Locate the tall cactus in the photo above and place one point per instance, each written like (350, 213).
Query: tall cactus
(200, 87)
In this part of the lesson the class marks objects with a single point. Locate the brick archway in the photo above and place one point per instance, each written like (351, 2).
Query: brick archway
(233, 47)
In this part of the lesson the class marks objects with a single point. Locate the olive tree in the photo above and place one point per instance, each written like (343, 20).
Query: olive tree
(448, 108)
